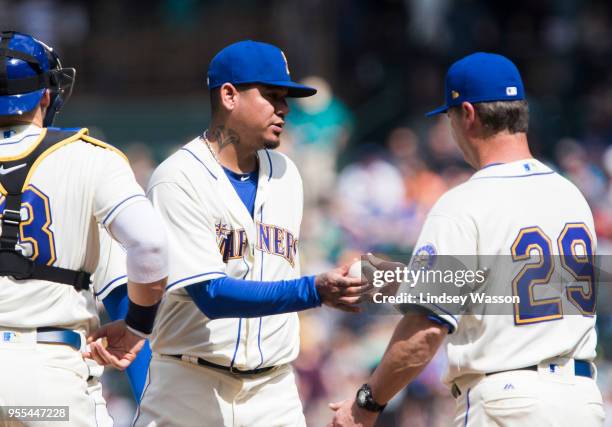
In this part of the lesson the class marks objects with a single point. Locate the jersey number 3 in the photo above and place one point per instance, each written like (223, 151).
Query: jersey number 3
(35, 236)
(576, 256)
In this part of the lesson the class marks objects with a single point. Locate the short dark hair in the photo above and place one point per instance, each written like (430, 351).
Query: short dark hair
(215, 95)
(215, 101)
(14, 119)
(500, 116)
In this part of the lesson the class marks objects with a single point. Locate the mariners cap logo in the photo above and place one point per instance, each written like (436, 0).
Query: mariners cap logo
(454, 94)
(286, 63)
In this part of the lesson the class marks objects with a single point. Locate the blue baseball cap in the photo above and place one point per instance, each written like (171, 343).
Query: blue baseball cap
(254, 62)
(481, 77)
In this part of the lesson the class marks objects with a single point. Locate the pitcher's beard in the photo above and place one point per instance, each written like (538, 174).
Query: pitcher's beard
(271, 145)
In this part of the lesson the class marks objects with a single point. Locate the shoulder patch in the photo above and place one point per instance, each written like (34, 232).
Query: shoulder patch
(424, 257)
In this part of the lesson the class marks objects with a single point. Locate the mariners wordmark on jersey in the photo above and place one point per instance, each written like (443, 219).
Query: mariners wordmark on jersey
(270, 239)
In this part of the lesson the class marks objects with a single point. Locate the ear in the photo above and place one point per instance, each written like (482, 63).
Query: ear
(229, 96)
(43, 106)
(45, 101)
(468, 114)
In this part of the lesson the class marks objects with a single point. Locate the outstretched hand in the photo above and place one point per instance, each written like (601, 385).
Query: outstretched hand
(338, 290)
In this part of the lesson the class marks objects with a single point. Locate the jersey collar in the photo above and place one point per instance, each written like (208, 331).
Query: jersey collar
(8, 133)
(227, 196)
(518, 169)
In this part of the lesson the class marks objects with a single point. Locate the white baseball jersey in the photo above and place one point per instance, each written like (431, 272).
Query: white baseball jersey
(516, 214)
(111, 270)
(212, 235)
(74, 188)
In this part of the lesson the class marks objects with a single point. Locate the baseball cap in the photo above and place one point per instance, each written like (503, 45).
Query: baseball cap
(249, 61)
(481, 77)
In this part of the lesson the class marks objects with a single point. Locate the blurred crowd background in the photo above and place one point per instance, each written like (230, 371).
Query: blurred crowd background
(372, 164)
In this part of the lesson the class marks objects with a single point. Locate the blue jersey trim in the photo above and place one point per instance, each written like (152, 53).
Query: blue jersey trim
(196, 157)
(490, 165)
(440, 321)
(444, 311)
(259, 343)
(270, 162)
(136, 370)
(65, 129)
(261, 278)
(19, 140)
(193, 277)
(138, 412)
(513, 176)
(237, 342)
(119, 204)
(109, 284)
(467, 411)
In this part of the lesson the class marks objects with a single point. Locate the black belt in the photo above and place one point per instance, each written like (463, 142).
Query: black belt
(230, 369)
(582, 368)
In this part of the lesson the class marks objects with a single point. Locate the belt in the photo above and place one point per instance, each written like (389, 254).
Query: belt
(59, 336)
(230, 369)
(582, 368)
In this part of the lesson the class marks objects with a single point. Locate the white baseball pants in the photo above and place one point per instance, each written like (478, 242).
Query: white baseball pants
(33, 374)
(180, 393)
(529, 398)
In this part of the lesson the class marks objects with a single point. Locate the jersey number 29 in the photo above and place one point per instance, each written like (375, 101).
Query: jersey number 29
(576, 256)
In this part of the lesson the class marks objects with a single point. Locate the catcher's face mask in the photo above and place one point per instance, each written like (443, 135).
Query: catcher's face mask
(28, 67)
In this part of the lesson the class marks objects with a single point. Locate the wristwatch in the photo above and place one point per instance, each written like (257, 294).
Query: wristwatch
(365, 400)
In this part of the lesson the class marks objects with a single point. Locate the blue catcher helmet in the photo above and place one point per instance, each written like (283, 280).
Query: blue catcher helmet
(28, 67)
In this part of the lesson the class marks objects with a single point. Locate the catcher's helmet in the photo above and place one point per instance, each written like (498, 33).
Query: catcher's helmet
(28, 67)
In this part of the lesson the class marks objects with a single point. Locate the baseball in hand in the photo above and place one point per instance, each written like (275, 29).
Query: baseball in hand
(362, 266)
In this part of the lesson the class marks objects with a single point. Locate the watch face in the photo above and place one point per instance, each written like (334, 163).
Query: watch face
(362, 398)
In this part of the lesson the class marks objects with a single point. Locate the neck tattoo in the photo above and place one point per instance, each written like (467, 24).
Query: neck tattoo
(231, 139)
(204, 138)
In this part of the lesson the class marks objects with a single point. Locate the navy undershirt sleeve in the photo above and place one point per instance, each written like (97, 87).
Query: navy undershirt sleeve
(230, 297)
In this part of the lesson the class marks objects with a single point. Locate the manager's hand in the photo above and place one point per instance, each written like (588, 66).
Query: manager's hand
(389, 288)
